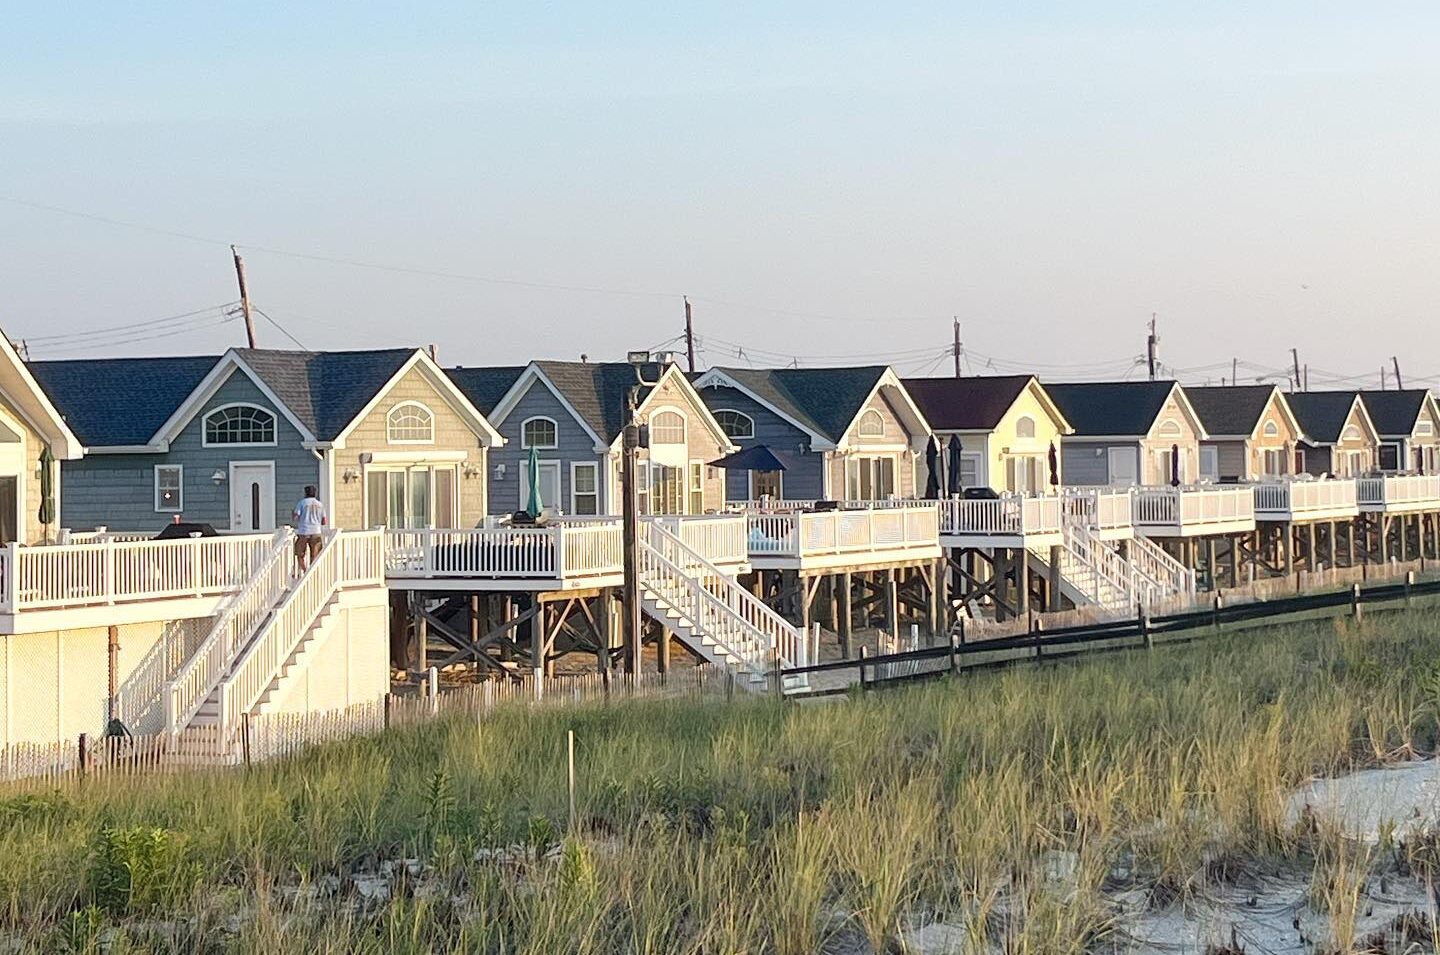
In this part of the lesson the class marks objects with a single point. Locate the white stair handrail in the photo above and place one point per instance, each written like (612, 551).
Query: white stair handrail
(239, 616)
(741, 624)
(1155, 563)
(348, 558)
(1106, 568)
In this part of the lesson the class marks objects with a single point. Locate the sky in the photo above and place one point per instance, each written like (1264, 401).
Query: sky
(829, 183)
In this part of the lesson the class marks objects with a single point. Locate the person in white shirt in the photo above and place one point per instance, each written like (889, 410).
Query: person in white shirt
(310, 521)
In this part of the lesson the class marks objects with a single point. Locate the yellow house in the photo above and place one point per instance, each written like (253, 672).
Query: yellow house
(29, 424)
(1006, 425)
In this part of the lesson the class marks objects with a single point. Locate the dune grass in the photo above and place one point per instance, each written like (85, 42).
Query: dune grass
(1007, 802)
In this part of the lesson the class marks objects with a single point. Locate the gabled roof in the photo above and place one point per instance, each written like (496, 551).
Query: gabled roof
(1235, 411)
(975, 403)
(1114, 408)
(325, 390)
(1395, 413)
(821, 401)
(118, 402)
(485, 386)
(1322, 414)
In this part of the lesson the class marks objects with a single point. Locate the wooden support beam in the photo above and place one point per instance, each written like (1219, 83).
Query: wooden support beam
(1053, 585)
(844, 614)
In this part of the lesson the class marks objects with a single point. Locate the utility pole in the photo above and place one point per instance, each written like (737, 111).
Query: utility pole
(1382, 377)
(689, 336)
(1295, 358)
(1152, 347)
(1398, 383)
(630, 518)
(1234, 371)
(244, 297)
(1306, 377)
(955, 349)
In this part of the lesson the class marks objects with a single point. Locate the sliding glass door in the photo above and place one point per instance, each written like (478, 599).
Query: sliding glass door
(410, 497)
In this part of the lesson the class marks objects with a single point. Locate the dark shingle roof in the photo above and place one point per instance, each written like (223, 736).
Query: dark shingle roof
(325, 390)
(824, 400)
(485, 386)
(597, 390)
(966, 404)
(108, 402)
(1321, 414)
(1229, 411)
(1111, 408)
(1394, 412)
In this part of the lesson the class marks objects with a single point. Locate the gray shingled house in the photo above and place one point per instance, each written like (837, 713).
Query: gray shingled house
(1252, 433)
(1340, 439)
(232, 440)
(1408, 422)
(841, 433)
(1128, 433)
(572, 414)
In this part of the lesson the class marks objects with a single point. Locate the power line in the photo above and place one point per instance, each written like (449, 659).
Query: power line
(281, 328)
(113, 330)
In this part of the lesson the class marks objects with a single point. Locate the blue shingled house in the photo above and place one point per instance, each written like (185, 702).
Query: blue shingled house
(232, 440)
(841, 433)
(572, 413)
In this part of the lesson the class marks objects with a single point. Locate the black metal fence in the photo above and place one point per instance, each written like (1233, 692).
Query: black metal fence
(1142, 631)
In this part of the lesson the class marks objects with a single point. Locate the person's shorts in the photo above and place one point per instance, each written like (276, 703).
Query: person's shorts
(307, 543)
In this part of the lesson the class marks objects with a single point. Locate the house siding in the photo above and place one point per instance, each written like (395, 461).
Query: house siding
(1006, 435)
(1152, 471)
(118, 490)
(1082, 466)
(452, 433)
(702, 442)
(574, 444)
(802, 477)
(26, 460)
(895, 433)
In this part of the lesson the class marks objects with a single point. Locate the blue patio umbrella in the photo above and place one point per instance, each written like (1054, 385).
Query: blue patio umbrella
(953, 484)
(932, 468)
(533, 504)
(757, 458)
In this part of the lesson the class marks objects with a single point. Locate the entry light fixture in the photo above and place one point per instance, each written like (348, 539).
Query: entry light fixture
(470, 470)
(499, 470)
(218, 477)
(349, 475)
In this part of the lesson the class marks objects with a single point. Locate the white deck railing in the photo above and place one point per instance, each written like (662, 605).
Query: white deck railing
(1003, 516)
(113, 572)
(719, 538)
(1399, 490)
(349, 558)
(1299, 498)
(1101, 509)
(873, 529)
(565, 549)
(1193, 507)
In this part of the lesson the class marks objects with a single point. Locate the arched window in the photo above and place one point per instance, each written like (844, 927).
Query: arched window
(410, 422)
(1352, 433)
(871, 425)
(539, 433)
(1425, 428)
(1170, 428)
(667, 427)
(1272, 430)
(735, 424)
(239, 424)
(1025, 427)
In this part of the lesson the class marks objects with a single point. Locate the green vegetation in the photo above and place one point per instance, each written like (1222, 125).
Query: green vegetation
(754, 826)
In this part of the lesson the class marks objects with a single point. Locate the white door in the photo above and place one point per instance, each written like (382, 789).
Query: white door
(549, 486)
(1124, 467)
(252, 498)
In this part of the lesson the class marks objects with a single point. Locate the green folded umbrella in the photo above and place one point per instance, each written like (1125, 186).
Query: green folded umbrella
(534, 505)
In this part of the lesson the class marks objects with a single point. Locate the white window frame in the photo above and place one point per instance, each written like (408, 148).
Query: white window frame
(575, 468)
(1169, 428)
(1270, 430)
(739, 414)
(390, 423)
(1351, 433)
(695, 485)
(399, 467)
(684, 428)
(1424, 428)
(861, 431)
(977, 462)
(1023, 424)
(524, 472)
(1131, 455)
(179, 484)
(524, 440)
(205, 441)
(869, 460)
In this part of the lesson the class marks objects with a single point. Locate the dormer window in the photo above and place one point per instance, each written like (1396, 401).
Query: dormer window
(239, 425)
(1271, 430)
(410, 422)
(871, 425)
(539, 433)
(735, 424)
(1025, 427)
(667, 427)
